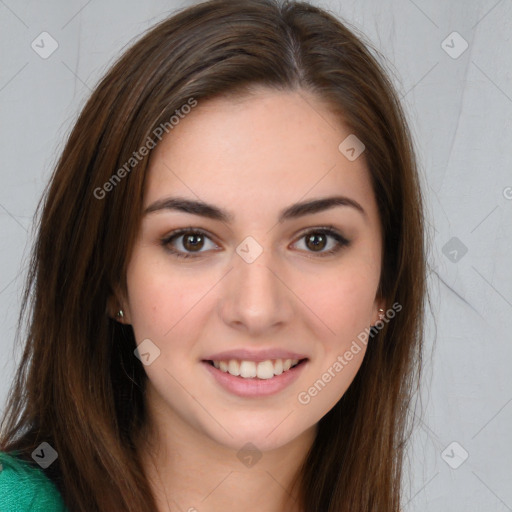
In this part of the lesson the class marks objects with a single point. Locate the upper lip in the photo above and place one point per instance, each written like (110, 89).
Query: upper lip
(255, 355)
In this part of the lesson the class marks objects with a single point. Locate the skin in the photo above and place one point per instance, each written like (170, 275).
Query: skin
(253, 157)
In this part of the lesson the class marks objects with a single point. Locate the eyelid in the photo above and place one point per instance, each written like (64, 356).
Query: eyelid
(327, 228)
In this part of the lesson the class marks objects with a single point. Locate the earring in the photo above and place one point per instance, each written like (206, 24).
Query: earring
(120, 314)
(373, 329)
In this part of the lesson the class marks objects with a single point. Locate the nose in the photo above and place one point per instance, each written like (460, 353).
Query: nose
(256, 297)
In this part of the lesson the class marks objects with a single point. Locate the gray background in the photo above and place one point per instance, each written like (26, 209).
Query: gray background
(460, 110)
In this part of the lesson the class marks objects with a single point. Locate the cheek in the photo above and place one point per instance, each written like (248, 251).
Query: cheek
(162, 299)
(344, 305)
(344, 300)
(155, 299)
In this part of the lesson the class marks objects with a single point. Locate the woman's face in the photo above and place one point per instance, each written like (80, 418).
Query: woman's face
(254, 278)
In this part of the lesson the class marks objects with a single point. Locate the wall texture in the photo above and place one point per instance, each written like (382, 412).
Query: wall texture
(451, 63)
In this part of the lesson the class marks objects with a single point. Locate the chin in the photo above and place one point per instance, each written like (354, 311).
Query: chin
(265, 433)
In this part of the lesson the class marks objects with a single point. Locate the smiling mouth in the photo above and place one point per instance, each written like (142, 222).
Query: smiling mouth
(263, 370)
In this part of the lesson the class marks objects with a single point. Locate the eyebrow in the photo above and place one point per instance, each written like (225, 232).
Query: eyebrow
(210, 211)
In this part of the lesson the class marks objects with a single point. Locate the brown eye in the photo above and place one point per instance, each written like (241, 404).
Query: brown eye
(322, 241)
(193, 241)
(316, 241)
(188, 243)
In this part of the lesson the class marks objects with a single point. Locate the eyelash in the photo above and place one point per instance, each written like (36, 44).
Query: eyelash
(325, 230)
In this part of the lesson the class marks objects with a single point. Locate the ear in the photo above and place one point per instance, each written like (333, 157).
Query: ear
(117, 308)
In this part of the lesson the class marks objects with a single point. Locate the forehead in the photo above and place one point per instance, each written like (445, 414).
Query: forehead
(267, 149)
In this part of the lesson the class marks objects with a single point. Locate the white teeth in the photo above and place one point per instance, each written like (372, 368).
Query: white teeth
(247, 369)
(250, 369)
(234, 367)
(265, 370)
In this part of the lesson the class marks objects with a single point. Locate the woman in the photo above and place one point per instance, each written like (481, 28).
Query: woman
(236, 207)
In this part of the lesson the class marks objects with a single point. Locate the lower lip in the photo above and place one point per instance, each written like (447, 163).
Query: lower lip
(255, 387)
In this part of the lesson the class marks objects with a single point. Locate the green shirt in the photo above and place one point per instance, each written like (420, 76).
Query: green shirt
(25, 488)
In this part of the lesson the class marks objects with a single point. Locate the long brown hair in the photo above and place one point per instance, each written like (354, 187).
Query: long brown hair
(79, 386)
